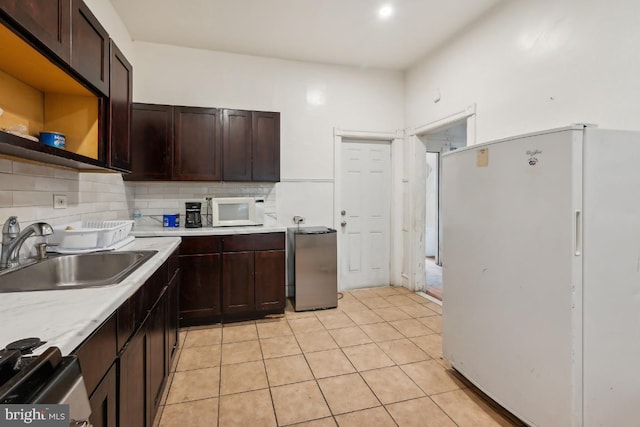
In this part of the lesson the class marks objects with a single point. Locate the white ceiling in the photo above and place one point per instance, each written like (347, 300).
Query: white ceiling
(346, 32)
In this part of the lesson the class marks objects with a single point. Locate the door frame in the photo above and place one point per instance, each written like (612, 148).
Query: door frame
(415, 165)
(395, 140)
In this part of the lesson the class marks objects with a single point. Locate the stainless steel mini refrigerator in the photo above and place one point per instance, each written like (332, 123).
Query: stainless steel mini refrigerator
(315, 273)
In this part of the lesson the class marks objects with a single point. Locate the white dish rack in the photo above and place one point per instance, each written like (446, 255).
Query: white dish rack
(91, 234)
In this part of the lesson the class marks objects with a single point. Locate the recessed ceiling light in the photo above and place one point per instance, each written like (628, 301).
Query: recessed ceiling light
(385, 11)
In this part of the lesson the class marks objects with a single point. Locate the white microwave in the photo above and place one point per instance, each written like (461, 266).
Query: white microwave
(237, 211)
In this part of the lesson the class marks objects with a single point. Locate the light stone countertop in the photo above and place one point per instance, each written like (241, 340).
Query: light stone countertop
(158, 230)
(64, 318)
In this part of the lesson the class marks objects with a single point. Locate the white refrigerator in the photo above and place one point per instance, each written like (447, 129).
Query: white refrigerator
(541, 274)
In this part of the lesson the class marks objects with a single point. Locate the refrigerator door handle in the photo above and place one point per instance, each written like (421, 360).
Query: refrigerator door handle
(578, 235)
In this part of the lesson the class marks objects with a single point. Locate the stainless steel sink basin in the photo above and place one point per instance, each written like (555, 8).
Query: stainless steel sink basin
(74, 271)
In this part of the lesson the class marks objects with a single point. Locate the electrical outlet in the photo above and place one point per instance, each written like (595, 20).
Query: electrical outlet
(59, 201)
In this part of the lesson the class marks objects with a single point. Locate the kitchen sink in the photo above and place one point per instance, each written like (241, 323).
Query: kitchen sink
(73, 271)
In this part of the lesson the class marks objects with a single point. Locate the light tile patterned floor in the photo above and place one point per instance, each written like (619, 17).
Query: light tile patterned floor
(374, 361)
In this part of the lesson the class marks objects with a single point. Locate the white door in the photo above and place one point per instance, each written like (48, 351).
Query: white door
(365, 214)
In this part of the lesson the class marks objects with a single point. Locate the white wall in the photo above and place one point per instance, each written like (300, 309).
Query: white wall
(531, 65)
(313, 99)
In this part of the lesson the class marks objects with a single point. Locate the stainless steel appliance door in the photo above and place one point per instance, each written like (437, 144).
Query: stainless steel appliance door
(316, 280)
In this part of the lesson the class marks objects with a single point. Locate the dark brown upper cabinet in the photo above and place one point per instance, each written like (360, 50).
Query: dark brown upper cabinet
(89, 47)
(120, 101)
(48, 21)
(151, 142)
(236, 145)
(265, 146)
(196, 148)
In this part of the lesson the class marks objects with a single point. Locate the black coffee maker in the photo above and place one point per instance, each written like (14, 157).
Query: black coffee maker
(193, 217)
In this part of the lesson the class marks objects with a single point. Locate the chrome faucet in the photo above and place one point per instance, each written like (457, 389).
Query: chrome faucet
(12, 239)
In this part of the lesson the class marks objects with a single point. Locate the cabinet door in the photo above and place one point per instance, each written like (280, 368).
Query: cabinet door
(151, 142)
(199, 288)
(238, 282)
(197, 150)
(269, 280)
(49, 21)
(173, 308)
(89, 47)
(265, 128)
(133, 381)
(236, 145)
(103, 401)
(156, 355)
(120, 100)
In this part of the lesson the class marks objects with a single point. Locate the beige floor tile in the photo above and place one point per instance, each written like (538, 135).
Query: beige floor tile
(352, 306)
(335, 321)
(367, 293)
(377, 302)
(381, 332)
(417, 298)
(402, 290)
(279, 347)
(347, 393)
(158, 416)
(287, 370)
(324, 422)
(199, 357)
(392, 313)
(411, 327)
(417, 310)
(316, 341)
(201, 337)
(239, 333)
(305, 325)
(240, 352)
(201, 413)
(375, 417)
(329, 363)
(242, 377)
(398, 300)
(432, 322)
(194, 385)
(346, 337)
(391, 385)
(468, 410)
(253, 409)
(365, 317)
(386, 291)
(175, 360)
(165, 391)
(431, 344)
(434, 307)
(403, 351)
(295, 403)
(432, 377)
(182, 335)
(420, 412)
(368, 356)
(277, 328)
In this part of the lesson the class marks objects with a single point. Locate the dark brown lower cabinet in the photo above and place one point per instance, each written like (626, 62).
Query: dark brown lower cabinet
(126, 361)
(253, 274)
(200, 288)
(156, 354)
(269, 280)
(103, 401)
(133, 377)
(238, 285)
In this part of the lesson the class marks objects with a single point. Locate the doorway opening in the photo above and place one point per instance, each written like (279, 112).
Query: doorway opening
(437, 142)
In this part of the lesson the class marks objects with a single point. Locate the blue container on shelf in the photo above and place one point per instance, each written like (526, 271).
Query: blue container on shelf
(52, 139)
(171, 220)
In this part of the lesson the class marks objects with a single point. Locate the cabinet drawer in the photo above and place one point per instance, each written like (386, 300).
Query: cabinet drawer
(97, 353)
(200, 245)
(253, 242)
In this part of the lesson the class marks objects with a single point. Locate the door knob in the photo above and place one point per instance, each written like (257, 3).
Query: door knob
(343, 213)
(343, 223)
